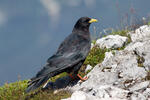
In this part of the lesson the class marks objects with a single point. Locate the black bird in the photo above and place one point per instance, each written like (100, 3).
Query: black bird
(69, 57)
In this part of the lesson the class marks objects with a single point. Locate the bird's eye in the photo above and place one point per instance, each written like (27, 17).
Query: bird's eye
(87, 20)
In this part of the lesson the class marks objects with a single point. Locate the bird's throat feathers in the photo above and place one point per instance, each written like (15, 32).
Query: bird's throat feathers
(82, 34)
(81, 28)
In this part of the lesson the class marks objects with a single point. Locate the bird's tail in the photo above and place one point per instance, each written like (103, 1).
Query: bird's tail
(42, 77)
(35, 83)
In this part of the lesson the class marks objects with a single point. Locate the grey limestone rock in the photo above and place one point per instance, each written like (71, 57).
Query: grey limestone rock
(122, 74)
(112, 41)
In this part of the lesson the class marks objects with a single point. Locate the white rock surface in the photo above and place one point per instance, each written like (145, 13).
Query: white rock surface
(143, 50)
(88, 67)
(112, 41)
(119, 76)
(140, 34)
(139, 86)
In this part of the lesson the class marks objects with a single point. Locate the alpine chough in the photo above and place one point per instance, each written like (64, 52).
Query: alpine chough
(69, 57)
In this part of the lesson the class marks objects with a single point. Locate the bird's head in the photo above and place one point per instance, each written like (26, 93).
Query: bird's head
(84, 22)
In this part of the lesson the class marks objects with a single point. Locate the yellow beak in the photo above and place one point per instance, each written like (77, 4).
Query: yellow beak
(93, 20)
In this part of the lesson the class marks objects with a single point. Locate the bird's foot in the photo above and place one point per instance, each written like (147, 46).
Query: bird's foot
(73, 76)
(81, 78)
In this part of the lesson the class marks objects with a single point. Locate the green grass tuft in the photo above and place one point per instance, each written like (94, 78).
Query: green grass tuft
(94, 41)
(96, 55)
(13, 91)
(149, 23)
(16, 91)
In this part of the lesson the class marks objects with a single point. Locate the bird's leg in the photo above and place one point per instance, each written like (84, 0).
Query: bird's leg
(81, 78)
(72, 76)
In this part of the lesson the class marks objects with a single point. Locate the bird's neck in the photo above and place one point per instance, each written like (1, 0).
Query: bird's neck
(82, 33)
(81, 29)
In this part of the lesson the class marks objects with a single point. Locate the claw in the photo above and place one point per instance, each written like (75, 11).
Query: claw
(78, 76)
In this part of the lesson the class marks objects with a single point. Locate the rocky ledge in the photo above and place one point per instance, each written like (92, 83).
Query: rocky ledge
(123, 75)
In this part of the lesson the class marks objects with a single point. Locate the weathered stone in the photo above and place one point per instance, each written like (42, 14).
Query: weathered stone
(112, 41)
(140, 34)
(140, 86)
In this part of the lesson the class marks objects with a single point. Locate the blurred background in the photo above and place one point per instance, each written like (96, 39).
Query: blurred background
(31, 30)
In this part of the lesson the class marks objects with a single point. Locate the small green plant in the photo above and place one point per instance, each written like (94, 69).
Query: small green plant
(113, 52)
(13, 91)
(149, 23)
(94, 41)
(96, 55)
